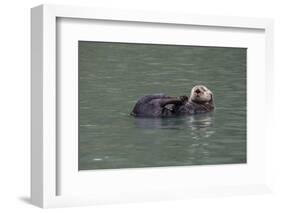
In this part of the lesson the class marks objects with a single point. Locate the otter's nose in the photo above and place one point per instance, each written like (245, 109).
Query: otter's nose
(197, 91)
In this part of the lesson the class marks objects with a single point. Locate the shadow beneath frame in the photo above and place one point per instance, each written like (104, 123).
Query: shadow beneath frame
(26, 200)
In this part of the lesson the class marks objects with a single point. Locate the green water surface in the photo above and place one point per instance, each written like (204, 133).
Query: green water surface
(112, 76)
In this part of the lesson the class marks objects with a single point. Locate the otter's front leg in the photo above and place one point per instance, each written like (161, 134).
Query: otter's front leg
(184, 98)
(173, 100)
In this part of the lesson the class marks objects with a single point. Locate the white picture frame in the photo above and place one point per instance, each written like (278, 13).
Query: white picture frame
(44, 148)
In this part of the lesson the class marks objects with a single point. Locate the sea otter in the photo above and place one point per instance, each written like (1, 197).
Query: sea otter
(201, 100)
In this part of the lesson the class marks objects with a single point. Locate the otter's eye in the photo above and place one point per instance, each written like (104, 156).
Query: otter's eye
(197, 91)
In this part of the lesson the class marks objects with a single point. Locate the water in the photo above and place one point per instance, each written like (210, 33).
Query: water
(112, 76)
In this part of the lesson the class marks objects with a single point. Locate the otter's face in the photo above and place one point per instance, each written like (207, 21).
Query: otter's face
(201, 94)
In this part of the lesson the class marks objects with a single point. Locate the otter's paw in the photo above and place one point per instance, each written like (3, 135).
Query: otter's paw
(183, 98)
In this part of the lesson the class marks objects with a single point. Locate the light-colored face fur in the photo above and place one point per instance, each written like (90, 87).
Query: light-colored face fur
(201, 94)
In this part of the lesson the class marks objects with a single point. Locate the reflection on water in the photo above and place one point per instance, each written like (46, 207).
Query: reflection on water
(198, 126)
(201, 126)
(112, 76)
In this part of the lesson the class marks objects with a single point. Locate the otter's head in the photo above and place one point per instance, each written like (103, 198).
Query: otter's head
(202, 95)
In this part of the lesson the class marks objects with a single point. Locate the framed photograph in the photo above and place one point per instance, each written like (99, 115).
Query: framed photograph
(130, 106)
